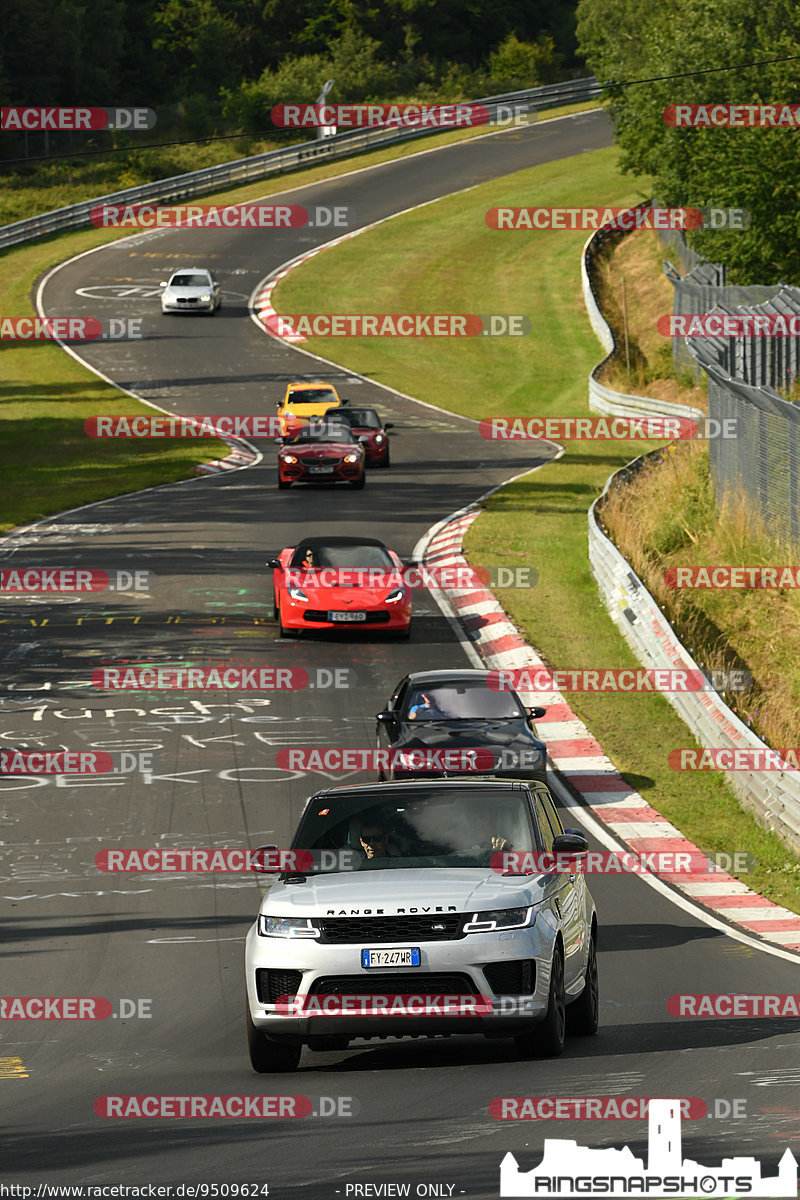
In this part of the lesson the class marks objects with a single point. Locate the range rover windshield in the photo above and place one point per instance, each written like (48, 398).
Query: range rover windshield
(424, 830)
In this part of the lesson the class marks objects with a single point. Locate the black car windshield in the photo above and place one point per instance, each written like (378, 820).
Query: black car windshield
(196, 280)
(460, 701)
(464, 828)
(312, 396)
(324, 433)
(359, 418)
(344, 556)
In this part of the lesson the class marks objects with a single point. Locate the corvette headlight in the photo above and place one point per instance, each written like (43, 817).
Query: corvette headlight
(286, 927)
(289, 458)
(499, 918)
(351, 458)
(297, 593)
(395, 596)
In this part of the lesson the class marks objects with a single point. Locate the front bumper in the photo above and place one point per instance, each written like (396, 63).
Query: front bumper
(466, 957)
(297, 473)
(173, 306)
(391, 618)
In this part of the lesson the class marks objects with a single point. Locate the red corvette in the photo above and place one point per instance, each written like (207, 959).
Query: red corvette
(325, 583)
(370, 430)
(321, 453)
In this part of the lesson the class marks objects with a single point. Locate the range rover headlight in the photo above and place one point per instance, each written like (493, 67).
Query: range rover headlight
(495, 919)
(286, 927)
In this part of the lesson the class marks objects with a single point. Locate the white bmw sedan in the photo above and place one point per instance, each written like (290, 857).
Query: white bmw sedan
(424, 908)
(192, 289)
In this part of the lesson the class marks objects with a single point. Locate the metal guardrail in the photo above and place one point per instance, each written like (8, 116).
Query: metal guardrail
(604, 399)
(773, 796)
(275, 162)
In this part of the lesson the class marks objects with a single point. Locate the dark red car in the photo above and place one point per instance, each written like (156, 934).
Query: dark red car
(370, 429)
(322, 452)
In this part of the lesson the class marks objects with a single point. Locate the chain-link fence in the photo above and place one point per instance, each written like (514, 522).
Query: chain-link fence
(747, 372)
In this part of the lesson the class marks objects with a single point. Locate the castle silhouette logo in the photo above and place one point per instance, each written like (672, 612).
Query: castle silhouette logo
(568, 1169)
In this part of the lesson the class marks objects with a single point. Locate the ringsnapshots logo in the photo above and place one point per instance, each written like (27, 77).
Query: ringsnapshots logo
(569, 1170)
(167, 426)
(25, 119)
(70, 329)
(618, 679)
(18, 581)
(215, 216)
(398, 325)
(732, 116)
(235, 677)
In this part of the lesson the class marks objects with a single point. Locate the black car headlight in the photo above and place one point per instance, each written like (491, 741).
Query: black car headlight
(494, 919)
(286, 927)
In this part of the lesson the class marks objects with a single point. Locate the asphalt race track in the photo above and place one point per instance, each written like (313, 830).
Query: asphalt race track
(421, 1107)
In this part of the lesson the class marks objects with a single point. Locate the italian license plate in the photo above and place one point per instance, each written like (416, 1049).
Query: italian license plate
(320, 470)
(347, 616)
(402, 956)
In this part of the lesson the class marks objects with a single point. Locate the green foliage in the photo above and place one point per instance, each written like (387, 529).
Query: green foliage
(755, 169)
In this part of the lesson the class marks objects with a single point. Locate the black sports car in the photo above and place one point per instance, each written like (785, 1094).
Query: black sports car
(433, 715)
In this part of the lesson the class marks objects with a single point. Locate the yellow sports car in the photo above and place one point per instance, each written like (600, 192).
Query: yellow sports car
(303, 401)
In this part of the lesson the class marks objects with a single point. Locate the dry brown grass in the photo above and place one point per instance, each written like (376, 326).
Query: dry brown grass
(637, 259)
(664, 517)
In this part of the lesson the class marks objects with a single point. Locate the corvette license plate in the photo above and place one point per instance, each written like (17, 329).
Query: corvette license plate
(403, 956)
(347, 616)
(320, 470)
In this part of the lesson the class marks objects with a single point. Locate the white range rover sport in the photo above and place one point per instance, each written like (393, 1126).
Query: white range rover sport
(423, 908)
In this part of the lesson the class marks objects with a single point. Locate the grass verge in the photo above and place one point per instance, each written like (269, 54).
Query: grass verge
(444, 259)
